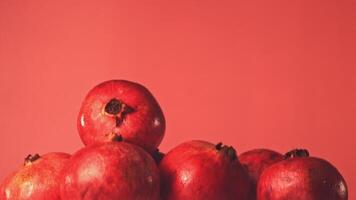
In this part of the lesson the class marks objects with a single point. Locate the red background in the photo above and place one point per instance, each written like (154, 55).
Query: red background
(275, 74)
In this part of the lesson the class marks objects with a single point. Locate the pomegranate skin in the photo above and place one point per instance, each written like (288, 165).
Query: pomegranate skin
(256, 161)
(199, 170)
(111, 170)
(37, 179)
(306, 178)
(124, 108)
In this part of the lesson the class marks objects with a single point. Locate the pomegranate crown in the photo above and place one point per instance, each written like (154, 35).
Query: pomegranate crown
(31, 158)
(228, 151)
(296, 153)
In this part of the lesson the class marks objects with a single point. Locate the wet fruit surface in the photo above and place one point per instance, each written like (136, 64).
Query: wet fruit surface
(111, 170)
(301, 177)
(37, 179)
(123, 108)
(200, 170)
(255, 162)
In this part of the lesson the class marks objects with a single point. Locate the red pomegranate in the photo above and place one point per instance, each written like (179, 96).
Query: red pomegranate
(200, 170)
(37, 179)
(300, 177)
(255, 161)
(124, 108)
(110, 171)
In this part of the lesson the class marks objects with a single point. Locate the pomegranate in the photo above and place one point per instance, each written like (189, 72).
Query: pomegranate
(37, 179)
(200, 170)
(124, 108)
(255, 161)
(299, 176)
(110, 170)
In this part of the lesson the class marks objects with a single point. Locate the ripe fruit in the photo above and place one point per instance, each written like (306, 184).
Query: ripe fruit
(110, 171)
(36, 179)
(200, 170)
(123, 108)
(255, 161)
(301, 177)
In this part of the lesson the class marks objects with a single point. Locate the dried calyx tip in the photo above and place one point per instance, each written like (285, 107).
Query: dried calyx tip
(117, 138)
(229, 151)
(113, 107)
(218, 146)
(31, 158)
(296, 153)
(118, 109)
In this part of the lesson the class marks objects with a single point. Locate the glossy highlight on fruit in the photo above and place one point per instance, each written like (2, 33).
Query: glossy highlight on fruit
(37, 179)
(200, 170)
(299, 176)
(123, 108)
(110, 171)
(256, 161)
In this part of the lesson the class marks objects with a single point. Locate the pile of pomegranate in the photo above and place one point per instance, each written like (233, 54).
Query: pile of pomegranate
(121, 125)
